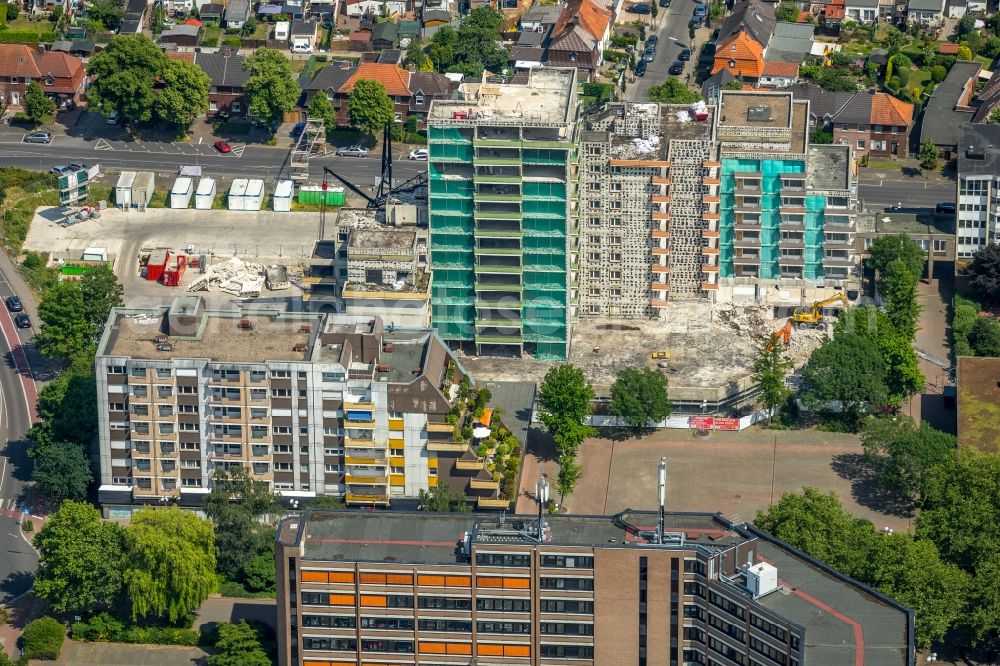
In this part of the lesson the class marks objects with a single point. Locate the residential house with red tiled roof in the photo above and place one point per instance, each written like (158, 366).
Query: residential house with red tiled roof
(578, 37)
(743, 39)
(62, 76)
(778, 74)
(411, 92)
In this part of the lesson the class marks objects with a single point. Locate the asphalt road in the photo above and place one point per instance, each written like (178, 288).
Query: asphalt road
(167, 158)
(672, 28)
(914, 194)
(17, 559)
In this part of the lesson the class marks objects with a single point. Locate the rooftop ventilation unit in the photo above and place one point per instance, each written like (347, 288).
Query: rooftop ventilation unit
(762, 579)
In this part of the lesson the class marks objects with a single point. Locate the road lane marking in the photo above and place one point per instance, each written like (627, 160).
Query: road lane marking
(28, 387)
(102, 144)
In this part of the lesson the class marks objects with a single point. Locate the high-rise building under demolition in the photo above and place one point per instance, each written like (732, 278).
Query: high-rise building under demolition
(501, 187)
(727, 202)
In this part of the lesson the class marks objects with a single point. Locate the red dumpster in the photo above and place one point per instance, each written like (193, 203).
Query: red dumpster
(156, 264)
(174, 270)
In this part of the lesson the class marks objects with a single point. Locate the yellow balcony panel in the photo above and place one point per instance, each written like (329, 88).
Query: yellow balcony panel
(397, 479)
(483, 484)
(397, 461)
(364, 406)
(432, 463)
(395, 424)
(367, 425)
(365, 499)
(447, 447)
(354, 443)
(469, 465)
(357, 460)
(492, 503)
(432, 481)
(396, 442)
(366, 480)
(439, 427)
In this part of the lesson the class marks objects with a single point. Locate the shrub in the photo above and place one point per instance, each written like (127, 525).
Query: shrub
(965, 313)
(27, 526)
(43, 639)
(26, 36)
(107, 628)
(938, 73)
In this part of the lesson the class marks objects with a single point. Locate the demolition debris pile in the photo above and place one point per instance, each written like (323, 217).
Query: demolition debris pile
(235, 277)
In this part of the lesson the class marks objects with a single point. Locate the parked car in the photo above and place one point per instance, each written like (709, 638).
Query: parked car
(676, 68)
(695, 22)
(664, 3)
(38, 137)
(418, 154)
(298, 129)
(223, 146)
(352, 151)
(684, 55)
(22, 321)
(649, 54)
(700, 11)
(945, 208)
(653, 41)
(14, 304)
(640, 8)
(77, 166)
(112, 118)
(60, 170)
(302, 48)
(640, 68)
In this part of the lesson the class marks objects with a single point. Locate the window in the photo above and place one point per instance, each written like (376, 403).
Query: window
(861, 144)
(549, 583)
(347, 644)
(566, 629)
(333, 621)
(398, 647)
(446, 603)
(568, 561)
(566, 606)
(503, 560)
(498, 604)
(387, 623)
(940, 245)
(503, 627)
(460, 626)
(567, 651)
(725, 604)
(616, 187)
(191, 483)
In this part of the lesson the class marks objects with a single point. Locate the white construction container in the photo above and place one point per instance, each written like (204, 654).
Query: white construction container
(95, 254)
(253, 199)
(142, 189)
(204, 196)
(180, 195)
(283, 193)
(123, 190)
(237, 194)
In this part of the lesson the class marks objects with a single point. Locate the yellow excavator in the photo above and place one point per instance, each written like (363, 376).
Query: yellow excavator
(811, 316)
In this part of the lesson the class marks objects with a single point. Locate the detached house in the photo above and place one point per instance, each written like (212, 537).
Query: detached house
(925, 11)
(578, 37)
(226, 97)
(743, 39)
(61, 75)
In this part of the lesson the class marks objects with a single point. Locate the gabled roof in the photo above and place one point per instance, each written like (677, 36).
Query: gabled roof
(431, 86)
(747, 53)
(211, 9)
(714, 84)
(857, 111)
(183, 56)
(792, 41)
(541, 14)
(182, 30)
(887, 110)
(134, 8)
(583, 19)
(18, 60)
(925, 5)
(223, 70)
(237, 10)
(385, 31)
(779, 68)
(303, 27)
(823, 104)
(389, 56)
(409, 28)
(988, 97)
(331, 77)
(192, 21)
(942, 118)
(393, 77)
(360, 36)
(753, 17)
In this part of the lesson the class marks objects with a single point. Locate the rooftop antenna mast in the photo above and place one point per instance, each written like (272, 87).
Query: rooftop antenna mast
(663, 498)
(542, 494)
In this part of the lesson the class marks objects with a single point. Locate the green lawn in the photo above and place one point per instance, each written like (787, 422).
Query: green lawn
(22, 23)
(261, 31)
(887, 165)
(919, 77)
(210, 37)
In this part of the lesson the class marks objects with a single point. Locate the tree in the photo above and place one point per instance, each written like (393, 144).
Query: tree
(847, 370)
(238, 645)
(887, 249)
(271, 89)
(899, 289)
(442, 48)
(902, 453)
(123, 76)
(62, 471)
(984, 337)
(236, 505)
(736, 84)
(369, 108)
(183, 93)
(37, 104)
(80, 558)
(441, 499)
(962, 500)
(569, 473)
(101, 291)
(788, 12)
(258, 573)
(902, 367)
(639, 397)
(249, 27)
(994, 118)
(65, 333)
(770, 368)
(984, 273)
(414, 53)
(964, 53)
(321, 108)
(109, 13)
(328, 502)
(816, 523)
(169, 566)
(158, 20)
(67, 407)
(564, 406)
(911, 571)
(477, 44)
(966, 25)
(672, 91)
(928, 153)
(982, 619)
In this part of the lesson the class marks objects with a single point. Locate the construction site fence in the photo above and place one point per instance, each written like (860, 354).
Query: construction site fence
(686, 421)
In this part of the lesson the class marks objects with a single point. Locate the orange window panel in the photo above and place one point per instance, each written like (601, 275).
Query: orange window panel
(399, 579)
(314, 577)
(432, 648)
(490, 650)
(373, 600)
(489, 581)
(458, 581)
(316, 663)
(341, 599)
(341, 576)
(373, 578)
(459, 648)
(517, 650)
(431, 580)
(517, 583)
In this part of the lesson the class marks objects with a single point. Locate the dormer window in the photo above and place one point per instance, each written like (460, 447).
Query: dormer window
(572, 56)
(49, 80)
(732, 63)
(419, 99)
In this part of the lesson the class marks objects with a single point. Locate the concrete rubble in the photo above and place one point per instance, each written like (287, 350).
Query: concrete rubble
(235, 277)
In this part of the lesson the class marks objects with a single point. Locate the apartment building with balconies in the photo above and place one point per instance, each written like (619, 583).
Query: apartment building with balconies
(442, 589)
(502, 178)
(311, 403)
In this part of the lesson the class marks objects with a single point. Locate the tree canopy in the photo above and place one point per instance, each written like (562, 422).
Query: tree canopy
(369, 107)
(639, 397)
(320, 107)
(62, 471)
(169, 566)
(847, 370)
(37, 105)
(80, 558)
(475, 46)
(902, 367)
(182, 94)
(672, 91)
(564, 406)
(770, 367)
(271, 88)
(902, 452)
(65, 332)
(441, 498)
(886, 249)
(984, 337)
(124, 75)
(236, 504)
(984, 273)
(238, 645)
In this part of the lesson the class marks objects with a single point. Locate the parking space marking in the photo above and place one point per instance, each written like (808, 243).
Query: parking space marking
(102, 144)
(237, 149)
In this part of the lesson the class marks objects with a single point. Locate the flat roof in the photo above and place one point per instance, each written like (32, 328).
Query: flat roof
(978, 387)
(844, 621)
(382, 239)
(206, 186)
(267, 336)
(181, 186)
(544, 99)
(755, 109)
(829, 167)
